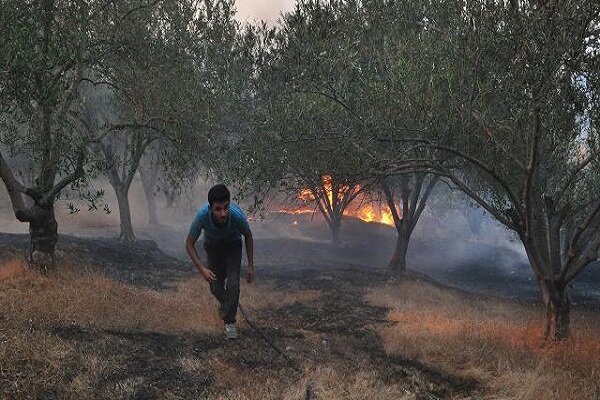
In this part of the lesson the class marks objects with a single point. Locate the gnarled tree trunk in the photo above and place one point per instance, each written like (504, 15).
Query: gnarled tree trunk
(398, 261)
(43, 231)
(413, 194)
(121, 180)
(553, 288)
(149, 168)
(558, 313)
(333, 196)
(39, 211)
(126, 234)
(335, 225)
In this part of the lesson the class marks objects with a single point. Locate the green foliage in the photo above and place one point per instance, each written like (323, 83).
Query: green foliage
(521, 81)
(296, 135)
(73, 74)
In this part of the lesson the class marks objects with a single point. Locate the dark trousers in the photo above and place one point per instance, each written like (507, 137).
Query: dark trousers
(224, 260)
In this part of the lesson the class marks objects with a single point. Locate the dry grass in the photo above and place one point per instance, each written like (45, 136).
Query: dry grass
(496, 342)
(331, 382)
(69, 296)
(260, 296)
(34, 358)
(79, 297)
(12, 269)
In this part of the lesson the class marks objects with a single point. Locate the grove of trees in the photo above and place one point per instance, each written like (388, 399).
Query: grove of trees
(498, 99)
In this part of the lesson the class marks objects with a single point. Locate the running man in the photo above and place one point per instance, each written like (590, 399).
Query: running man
(223, 224)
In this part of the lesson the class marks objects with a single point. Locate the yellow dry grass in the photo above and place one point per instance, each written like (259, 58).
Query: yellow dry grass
(12, 269)
(333, 383)
(496, 342)
(75, 296)
(71, 296)
(330, 381)
(259, 296)
(33, 358)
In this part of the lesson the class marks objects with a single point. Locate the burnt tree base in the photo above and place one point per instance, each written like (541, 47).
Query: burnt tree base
(126, 234)
(43, 231)
(558, 320)
(397, 264)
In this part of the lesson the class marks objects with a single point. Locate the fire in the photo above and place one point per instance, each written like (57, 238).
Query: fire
(306, 195)
(368, 211)
(387, 218)
(372, 212)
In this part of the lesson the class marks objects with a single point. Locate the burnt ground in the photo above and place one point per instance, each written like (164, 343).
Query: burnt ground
(141, 263)
(337, 329)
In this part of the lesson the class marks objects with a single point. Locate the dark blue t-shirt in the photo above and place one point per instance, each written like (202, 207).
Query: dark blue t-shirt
(236, 225)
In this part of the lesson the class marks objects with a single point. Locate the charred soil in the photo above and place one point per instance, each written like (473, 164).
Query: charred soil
(328, 339)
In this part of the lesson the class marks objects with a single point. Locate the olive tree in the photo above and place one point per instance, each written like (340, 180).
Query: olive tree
(522, 85)
(48, 48)
(154, 84)
(303, 137)
(371, 62)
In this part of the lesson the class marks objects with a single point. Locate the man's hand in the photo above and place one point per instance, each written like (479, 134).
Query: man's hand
(250, 276)
(208, 275)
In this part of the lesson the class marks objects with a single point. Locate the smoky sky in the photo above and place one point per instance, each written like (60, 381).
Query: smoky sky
(268, 10)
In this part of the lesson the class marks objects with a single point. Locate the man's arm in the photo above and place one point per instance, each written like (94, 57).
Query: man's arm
(250, 253)
(191, 250)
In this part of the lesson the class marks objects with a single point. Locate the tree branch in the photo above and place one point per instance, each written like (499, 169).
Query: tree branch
(490, 133)
(75, 175)
(433, 181)
(15, 190)
(588, 255)
(135, 161)
(138, 8)
(478, 163)
(574, 242)
(389, 196)
(574, 173)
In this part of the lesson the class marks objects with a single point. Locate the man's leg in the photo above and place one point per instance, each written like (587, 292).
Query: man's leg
(233, 260)
(216, 263)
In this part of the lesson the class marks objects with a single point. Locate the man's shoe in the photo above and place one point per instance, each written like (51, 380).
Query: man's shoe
(231, 331)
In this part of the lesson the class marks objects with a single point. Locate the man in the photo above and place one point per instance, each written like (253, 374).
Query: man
(223, 224)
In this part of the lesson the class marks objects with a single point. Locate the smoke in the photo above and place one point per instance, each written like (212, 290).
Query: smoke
(266, 10)
(455, 243)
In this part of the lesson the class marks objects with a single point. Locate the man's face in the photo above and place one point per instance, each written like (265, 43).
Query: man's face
(220, 211)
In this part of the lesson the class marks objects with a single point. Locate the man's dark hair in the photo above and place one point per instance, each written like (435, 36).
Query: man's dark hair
(218, 194)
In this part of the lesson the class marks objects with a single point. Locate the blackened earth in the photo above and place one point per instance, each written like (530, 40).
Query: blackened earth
(338, 328)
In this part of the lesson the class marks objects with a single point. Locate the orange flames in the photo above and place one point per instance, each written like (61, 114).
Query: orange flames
(368, 211)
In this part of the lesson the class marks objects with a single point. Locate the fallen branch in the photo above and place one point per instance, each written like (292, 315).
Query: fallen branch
(293, 363)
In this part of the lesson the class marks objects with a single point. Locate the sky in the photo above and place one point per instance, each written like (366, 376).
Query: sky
(268, 10)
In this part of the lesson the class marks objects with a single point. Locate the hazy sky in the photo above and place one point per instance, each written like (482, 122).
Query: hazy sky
(269, 10)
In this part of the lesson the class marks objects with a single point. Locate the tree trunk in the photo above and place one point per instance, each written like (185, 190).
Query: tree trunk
(43, 232)
(149, 186)
(127, 234)
(555, 296)
(398, 261)
(149, 173)
(151, 202)
(335, 231)
(558, 312)
(171, 195)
